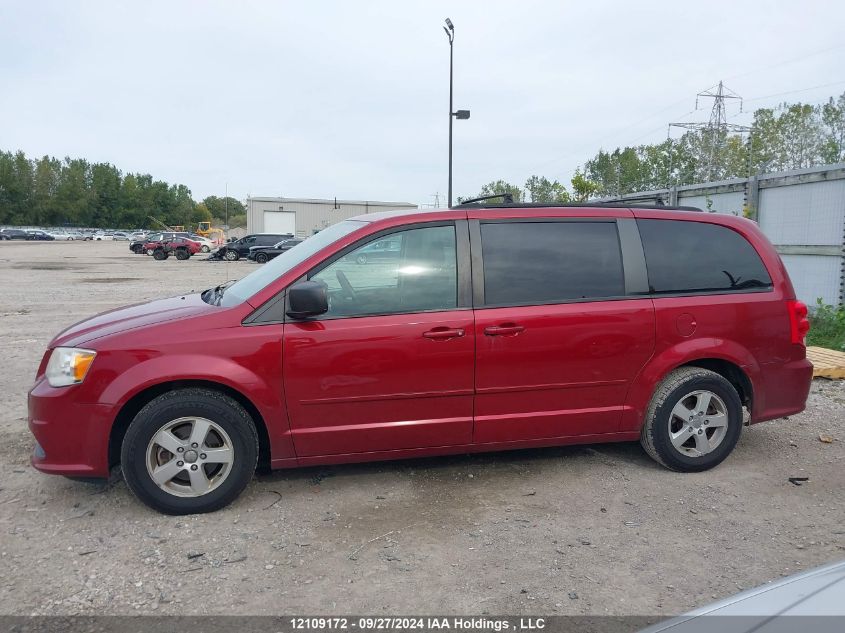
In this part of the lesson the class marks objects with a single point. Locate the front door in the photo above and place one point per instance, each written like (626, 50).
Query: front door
(391, 365)
(558, 339)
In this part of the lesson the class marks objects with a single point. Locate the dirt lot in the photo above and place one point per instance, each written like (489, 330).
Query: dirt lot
(586, 530)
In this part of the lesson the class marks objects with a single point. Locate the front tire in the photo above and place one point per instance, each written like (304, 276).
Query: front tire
(231, 256)
(159, 254)
(181, 253)
(189, 451)
(694, 420)
(261, 258)
(205, 248)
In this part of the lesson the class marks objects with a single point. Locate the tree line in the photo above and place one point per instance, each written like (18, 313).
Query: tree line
(75, 192)
(791, 136)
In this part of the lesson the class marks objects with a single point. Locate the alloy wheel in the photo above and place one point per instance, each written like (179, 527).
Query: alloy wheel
(698, 423)
(189, 457)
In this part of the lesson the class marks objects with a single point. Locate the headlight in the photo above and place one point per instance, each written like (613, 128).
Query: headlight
(68, 366)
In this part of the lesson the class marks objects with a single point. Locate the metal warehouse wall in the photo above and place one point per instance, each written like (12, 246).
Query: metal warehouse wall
(312, 214)
(802, 212)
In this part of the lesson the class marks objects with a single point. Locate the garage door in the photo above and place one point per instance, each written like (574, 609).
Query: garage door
(279, 222)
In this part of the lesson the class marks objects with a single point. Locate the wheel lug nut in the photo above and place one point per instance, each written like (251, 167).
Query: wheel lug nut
(202, 455)
(193, 467)
(180, 450)
(194, 445)
(700, 431)
(180, 463)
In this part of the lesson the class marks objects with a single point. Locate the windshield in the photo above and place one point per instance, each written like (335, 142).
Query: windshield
(242, 290)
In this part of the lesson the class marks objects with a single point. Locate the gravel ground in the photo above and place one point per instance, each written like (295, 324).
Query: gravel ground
(580, 530)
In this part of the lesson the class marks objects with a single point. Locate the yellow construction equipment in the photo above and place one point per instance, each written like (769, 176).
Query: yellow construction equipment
(206, 230)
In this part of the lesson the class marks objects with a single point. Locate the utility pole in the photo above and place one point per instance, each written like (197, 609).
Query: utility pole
(460, 114)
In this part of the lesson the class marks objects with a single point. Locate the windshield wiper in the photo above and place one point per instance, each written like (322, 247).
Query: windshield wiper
(217, 292)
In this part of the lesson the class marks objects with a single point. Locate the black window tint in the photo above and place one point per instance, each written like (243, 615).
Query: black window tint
(699, 257)
(544, 262)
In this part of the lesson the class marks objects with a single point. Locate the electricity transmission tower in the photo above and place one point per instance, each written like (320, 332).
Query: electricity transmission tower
(716, 128)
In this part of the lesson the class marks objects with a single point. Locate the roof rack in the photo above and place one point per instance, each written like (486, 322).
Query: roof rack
(507, 198)
(475, 202)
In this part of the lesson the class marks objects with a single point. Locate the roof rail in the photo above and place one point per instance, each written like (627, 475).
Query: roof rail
(539, 205)
(507, 198)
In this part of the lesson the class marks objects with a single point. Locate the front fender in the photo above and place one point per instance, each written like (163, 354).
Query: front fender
(264, 392)
(684, 353)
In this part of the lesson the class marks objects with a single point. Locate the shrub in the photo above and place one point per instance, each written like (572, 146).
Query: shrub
(827, 326)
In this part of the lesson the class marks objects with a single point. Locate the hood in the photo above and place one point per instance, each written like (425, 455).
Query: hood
(132, 317)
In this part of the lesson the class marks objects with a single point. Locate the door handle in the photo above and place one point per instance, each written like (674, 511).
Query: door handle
(508, 329)
(443, 333)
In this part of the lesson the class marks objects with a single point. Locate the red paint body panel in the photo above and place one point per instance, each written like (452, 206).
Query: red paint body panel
(370, 388)
(377, 383)
(566, 374)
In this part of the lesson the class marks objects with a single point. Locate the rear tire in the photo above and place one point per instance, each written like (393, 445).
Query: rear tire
(181, 253)
(261, 258)
(160, 255)
(694, 420)
(177, 419)
(205, 248)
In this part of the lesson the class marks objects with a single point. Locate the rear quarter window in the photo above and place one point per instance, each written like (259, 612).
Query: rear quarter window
(690, 257)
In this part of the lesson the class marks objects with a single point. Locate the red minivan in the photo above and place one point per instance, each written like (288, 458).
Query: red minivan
(489, 327)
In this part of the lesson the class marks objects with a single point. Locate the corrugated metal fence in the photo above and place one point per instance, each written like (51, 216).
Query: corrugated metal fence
(802, 213)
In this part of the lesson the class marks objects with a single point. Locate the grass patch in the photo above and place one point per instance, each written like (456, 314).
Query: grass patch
(827, 326)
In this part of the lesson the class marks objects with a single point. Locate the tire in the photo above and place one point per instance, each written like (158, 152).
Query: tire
(679, 433)
(160, 255)
(182, 254)
(205, 248)
(231, 255)
(180, 414)
(261, 258)
(138, 250)
(361, 259)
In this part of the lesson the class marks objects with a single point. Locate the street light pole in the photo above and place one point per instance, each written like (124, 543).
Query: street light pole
(450, 33)
(458, 114)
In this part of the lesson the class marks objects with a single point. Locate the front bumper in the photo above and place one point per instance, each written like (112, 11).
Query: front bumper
(72, 438)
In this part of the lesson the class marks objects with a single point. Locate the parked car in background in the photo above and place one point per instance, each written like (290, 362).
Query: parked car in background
(206, 245)
(380, 250)
(101, 236)
(494, 327)
(13, 234)
(180, 247)
(138, 246)
(35, 234)
(263, 254)
(233, 251)
(120, 236)
(68, 236)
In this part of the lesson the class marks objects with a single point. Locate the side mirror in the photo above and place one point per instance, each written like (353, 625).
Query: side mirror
(307, 299)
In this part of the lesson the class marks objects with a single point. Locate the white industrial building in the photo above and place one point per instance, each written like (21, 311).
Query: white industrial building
(306, 216)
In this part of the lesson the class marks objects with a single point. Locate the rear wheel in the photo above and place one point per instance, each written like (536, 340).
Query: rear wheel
(159, 254)
(182, 253)
(138, 249)
(205, 248)
(694, 420)
(261, 258)
(189, 451)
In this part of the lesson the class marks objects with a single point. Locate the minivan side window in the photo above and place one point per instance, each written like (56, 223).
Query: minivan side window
(418, 273)
(687, 257)
(533, 263)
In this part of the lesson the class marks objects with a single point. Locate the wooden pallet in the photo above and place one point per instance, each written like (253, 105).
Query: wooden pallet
(827, 363)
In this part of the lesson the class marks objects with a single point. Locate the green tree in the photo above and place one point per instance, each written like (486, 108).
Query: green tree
(221, 207)
(541, 189)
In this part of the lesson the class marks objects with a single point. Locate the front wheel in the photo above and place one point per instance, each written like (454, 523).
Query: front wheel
(694, 420)
(189, 451)
(181, 253)
(205, 248)
(261, 258)
(231, 255)
(159, 254)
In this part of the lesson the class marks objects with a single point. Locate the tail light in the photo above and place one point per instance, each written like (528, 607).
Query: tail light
(799, 324)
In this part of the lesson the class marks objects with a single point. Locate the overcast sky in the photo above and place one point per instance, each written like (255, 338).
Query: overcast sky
(349, 99)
